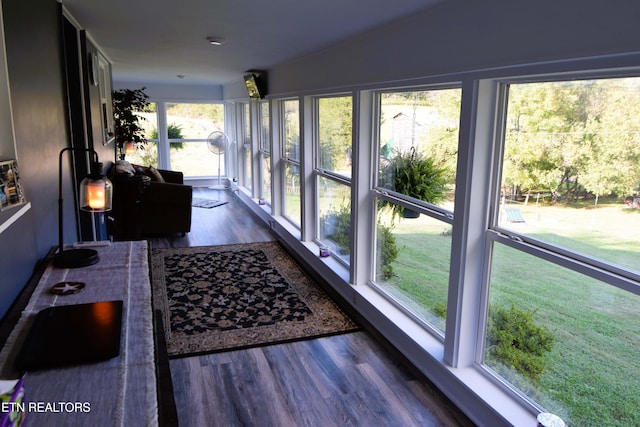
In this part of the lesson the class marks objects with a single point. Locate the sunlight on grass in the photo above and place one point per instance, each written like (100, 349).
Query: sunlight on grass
(422, 268)
(593, 372)
(609, 232)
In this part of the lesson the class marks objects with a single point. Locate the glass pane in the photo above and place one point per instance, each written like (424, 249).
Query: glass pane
(334, 216)
(412, 264)
(265, 127)
(265, 146)
(419, 144)
(194, 122)
(246, 154)
(334, 134)
(291, 129)
(292, 193)
(246, 148)
(266, 179)
(571, 167)
(195, 159)
(246, 121)
(146, 154)
(569, 342)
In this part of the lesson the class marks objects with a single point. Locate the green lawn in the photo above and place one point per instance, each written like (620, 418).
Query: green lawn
(593, 374)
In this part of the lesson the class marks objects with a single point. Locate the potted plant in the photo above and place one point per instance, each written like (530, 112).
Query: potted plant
(127, 102)
(413, 174)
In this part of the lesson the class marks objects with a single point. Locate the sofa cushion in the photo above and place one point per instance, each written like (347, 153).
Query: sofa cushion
(149, 171)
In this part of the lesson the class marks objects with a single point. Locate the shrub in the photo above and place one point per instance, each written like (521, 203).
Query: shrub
(387, 250)
(338, 228)
(514, 339)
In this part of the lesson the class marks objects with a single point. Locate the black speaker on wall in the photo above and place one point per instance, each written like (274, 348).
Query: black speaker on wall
(256, 82)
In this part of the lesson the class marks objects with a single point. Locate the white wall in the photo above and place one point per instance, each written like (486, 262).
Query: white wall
(175, 92)
(464, 35)
(236, 91)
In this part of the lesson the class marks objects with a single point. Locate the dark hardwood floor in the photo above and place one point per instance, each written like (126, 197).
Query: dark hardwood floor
(343, 380)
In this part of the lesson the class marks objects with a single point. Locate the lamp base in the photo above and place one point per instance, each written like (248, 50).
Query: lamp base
(75, 258)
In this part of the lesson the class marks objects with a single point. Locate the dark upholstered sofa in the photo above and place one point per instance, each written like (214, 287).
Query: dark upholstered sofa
(149, 202)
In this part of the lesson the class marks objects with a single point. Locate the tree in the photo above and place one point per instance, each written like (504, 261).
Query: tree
(613, 166)
(335, 130)
(572, 137)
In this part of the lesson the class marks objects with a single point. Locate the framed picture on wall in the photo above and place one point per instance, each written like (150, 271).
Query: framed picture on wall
(11, 191)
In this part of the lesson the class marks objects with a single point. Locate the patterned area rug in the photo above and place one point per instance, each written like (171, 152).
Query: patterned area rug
(218, 298)
(199, 202)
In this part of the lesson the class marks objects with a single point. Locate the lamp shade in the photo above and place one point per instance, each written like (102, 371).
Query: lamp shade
(96, 194)
(96, 191)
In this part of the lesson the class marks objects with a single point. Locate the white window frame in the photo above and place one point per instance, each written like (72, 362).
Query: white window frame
(495, 234)
(284, 160)
(264, 150)
(330, 175)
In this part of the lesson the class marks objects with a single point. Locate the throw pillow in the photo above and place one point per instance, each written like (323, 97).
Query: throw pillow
(124, 167)
(155, 175)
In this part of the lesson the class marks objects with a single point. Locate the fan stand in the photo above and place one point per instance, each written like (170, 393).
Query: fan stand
(219, 185)
(218, 144)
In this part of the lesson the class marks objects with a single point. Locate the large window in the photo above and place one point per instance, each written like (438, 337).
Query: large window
(291, 158)
(418, 140)
(563, 324)
(333, 173)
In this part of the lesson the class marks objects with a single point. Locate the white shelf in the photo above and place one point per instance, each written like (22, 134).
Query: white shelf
(18, 212)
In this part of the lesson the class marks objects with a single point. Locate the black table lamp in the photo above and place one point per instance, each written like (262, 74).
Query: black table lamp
(95, 196)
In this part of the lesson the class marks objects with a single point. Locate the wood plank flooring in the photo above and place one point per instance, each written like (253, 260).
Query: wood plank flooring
(343, 380)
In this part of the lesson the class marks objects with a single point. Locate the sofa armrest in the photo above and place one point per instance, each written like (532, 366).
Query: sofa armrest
(174, 177)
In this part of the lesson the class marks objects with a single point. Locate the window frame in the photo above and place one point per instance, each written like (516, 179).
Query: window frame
(432, 211)
(264, 149)
(590, 267)
(319, 172)
(391, 196)
(289, 161)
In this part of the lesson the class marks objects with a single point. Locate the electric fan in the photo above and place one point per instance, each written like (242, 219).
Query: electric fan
(218, 144)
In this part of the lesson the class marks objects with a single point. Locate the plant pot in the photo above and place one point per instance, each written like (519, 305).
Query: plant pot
(408, 213)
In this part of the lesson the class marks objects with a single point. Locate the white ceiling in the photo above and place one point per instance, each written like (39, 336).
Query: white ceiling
(154, 41)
